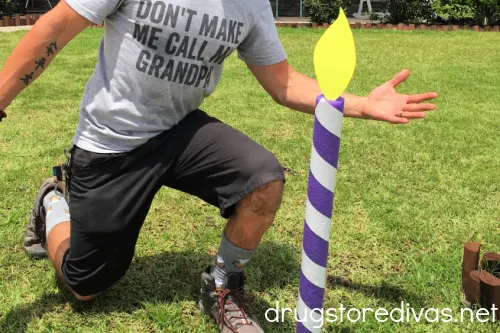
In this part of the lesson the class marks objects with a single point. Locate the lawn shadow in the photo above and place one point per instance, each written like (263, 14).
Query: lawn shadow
(384, 291)
(163, 278)
(175, 276)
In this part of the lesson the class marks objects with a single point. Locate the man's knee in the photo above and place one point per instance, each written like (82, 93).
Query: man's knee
(90, 274)
(265, 200)
(84, 298)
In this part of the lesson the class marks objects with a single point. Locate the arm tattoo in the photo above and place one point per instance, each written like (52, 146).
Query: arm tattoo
(50, 49)
(26, 79)
(40, 63)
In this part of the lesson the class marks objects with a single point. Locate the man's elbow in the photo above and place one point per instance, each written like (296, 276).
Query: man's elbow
(280, 97)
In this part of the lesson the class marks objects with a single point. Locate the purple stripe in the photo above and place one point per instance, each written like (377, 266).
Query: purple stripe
(315, 247)
(311, 295)
(327, 145)
(319, 196)
(338, 103)
(301, 328)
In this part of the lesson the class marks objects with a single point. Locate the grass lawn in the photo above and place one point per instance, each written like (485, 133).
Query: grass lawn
(408, 197)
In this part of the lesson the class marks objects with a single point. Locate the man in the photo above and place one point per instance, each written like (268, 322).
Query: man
(140, 129)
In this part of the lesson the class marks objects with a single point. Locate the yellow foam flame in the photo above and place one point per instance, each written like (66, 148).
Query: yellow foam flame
(335, 58)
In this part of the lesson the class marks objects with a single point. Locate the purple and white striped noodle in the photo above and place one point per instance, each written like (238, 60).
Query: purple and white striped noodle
(319, 207)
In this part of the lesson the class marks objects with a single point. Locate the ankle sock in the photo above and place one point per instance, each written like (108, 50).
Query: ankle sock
(57, 210)
(230, 259)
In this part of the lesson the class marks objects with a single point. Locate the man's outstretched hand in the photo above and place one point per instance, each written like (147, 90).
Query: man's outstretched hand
(385, 104)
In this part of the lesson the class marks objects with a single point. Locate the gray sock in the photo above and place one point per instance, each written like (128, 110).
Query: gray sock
(57, 210)
(230, 258)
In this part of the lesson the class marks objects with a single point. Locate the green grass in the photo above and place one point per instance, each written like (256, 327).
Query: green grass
(408, 197)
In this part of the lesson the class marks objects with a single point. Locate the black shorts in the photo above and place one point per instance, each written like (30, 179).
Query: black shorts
(110, 194)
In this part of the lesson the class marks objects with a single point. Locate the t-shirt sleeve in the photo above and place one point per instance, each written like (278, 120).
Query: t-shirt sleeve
(94, 10)
(262, 46)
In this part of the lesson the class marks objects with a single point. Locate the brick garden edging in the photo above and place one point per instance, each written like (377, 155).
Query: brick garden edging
(479, 285)
(19, 20)
(26, 20)
(30, 19)
(380, 26)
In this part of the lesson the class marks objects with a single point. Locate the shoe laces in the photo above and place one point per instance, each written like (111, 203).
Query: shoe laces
(231, 309)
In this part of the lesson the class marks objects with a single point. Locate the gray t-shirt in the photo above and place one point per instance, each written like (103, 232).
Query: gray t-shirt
(158, 60)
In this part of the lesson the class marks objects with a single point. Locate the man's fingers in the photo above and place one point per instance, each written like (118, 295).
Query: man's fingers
(419, 98)
(398, 120)
(414, 115)
(400, 77)
(419, 107)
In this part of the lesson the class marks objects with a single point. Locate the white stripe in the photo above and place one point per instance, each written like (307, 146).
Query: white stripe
(329, 117)
(323, 172)
(313, 272)
(312, 320)
(317, 222)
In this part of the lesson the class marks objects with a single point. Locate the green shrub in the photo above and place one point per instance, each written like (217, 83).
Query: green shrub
(9, 7)
(481, 12)
(410, 11)
(324, 11)
(486, 11)
(453, 11)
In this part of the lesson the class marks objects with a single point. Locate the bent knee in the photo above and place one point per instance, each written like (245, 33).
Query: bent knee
(84, 298)
(265, 200)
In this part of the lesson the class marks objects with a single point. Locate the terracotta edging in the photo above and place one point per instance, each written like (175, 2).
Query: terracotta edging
(479, 285)
(471, 285)
(400, 27)
(490, 259)
(470, 263)
(30, 19)
(490, 291)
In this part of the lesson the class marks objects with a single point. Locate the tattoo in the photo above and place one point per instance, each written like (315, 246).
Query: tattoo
(26, 79)
(40, 63)
(50, 49)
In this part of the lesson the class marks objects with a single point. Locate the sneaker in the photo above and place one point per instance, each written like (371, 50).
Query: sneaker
(227, 306)
(35, 242)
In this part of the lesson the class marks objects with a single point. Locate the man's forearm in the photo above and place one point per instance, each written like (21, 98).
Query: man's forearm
(302, 91)
(37, 49)
(28, 60)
